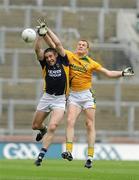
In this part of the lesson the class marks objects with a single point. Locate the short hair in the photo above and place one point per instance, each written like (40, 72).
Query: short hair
(85, 41)
(50, 50)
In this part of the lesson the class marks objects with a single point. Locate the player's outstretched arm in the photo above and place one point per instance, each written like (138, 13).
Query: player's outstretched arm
(37, 47)
(42, 30)
(116, 74)
(50, 38)
(57, 42)
(49, 41)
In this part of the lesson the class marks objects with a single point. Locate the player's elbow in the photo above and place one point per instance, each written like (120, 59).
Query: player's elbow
(36, 50)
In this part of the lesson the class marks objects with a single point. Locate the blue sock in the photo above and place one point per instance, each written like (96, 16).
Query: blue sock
(42, 153)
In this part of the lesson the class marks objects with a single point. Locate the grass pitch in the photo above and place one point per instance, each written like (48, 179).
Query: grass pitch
(65, 170)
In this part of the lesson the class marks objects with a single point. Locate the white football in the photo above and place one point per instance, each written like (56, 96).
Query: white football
(28, 35)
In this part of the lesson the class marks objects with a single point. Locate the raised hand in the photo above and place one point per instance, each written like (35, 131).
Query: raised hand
(128, 72)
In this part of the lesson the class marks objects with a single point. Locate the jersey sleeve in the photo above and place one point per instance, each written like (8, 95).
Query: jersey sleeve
(69, 55)
(68, 52)
(96, 65)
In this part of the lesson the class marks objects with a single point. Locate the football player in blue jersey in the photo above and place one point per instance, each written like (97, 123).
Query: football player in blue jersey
(55, 70)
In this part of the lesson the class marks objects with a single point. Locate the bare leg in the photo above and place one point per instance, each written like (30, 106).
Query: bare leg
(72, 114)
(38, 124)
(38, 120)
(56, 117)
(90, 125)
(91, 134)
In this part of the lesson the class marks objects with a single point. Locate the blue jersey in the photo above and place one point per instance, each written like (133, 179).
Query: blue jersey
(56, 77)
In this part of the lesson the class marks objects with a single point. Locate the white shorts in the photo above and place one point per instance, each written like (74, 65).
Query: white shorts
(49, 102)
(83, 99)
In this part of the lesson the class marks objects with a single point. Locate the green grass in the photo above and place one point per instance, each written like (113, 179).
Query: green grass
(64, 170)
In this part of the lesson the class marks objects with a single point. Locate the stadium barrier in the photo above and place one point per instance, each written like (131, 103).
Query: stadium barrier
(73, 4)
(11, 129)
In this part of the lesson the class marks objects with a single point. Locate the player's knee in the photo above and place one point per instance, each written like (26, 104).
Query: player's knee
(52, 127)
(89, 124)
(35, 126)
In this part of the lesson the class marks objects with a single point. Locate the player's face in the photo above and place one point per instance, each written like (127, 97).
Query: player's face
(50, 58)
(82, 48)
